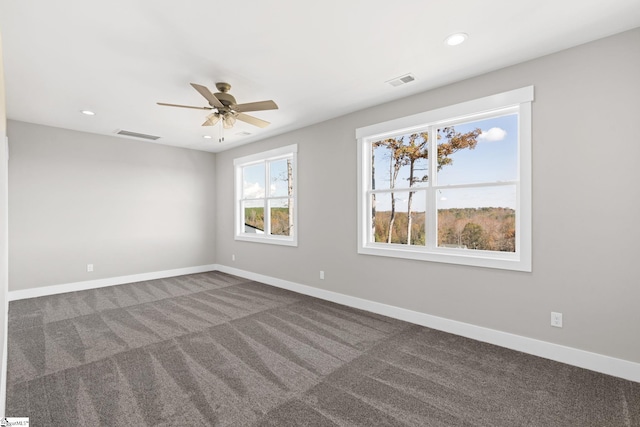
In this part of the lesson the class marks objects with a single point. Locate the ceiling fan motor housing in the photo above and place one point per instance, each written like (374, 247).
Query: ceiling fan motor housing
(223, 96)
(225, 99)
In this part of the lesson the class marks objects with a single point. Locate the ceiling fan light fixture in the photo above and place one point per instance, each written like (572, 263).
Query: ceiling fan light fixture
(212, 119)
(228, 121)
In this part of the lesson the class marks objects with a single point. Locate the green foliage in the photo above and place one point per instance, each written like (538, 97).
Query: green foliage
(486, 228)
(473, 236)
(279, 220)
(254, 217)
(491, 229)
(399, 226)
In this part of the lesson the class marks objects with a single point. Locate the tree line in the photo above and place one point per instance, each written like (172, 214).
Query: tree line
(488, 228)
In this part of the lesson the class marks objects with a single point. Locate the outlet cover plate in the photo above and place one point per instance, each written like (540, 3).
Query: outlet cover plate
(556, 319)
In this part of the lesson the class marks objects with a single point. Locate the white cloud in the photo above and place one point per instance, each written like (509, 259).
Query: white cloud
(253, 190)
(493, 134)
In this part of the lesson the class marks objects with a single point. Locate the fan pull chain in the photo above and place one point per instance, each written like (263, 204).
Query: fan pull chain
(221, 134)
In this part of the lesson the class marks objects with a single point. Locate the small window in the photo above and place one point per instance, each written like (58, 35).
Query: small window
(265, 185)
(450, 185)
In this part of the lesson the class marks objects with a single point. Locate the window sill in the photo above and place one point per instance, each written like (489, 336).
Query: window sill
(502, 260)
(272, 240)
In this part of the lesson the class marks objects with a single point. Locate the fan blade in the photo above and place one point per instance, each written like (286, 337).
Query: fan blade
(255, 106)
(184, 106)
(252, 120)
(208, 95)
(212, 119)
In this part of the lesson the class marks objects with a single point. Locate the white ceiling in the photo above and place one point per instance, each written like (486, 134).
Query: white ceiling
(317, 60)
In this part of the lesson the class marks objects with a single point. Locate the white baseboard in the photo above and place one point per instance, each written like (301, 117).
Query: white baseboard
(110, 281)
(571, 356)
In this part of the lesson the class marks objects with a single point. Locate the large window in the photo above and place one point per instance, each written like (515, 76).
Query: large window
(450, 185)
(265, 185)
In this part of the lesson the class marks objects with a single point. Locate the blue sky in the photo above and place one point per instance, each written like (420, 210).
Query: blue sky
(493, 159)
(254, 179)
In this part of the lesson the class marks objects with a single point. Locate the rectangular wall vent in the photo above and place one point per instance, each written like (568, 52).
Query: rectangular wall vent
(137, 135)
(407, 78)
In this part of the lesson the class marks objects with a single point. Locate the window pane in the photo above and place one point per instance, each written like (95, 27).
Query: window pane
(253, 181)
(253, 216)
(281, 211)
(400, 162)
(391, 222)
(477, 218)
(280, 178)
(479, 151)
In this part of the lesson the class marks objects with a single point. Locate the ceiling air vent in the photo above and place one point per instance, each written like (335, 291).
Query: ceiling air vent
(137, 135)
(407, 78)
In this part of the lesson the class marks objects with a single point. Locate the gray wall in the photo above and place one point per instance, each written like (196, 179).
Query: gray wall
(585, 209)
(124, 205)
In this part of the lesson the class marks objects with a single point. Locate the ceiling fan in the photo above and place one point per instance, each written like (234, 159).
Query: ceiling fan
(226, 107)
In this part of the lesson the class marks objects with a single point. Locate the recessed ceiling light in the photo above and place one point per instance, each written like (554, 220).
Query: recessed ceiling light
(88, 113)
(207, 136)
(456, 39)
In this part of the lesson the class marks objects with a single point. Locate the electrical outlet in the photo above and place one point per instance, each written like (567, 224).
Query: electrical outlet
(89, 268)
(321, 275)
(556, 319)
(233, 257)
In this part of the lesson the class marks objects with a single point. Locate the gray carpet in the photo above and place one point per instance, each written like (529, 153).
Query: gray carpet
(215, 350)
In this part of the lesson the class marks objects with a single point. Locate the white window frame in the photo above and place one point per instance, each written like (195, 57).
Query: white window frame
(291, 152)
(518, 100)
